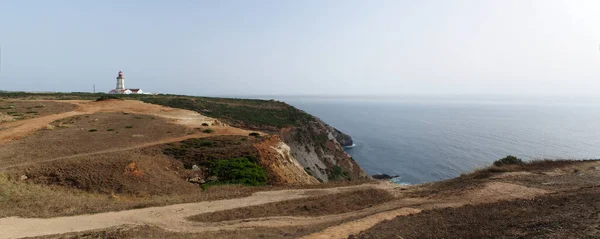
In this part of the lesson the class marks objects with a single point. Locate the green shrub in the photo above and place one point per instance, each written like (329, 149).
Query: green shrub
(238, 171)
(337, 174)
(508, 160)
(107, 97)
(92, 130)
(254, 134)
(204, 124)
(128, 126)
(208, 131)
(206, 143)
(39, 106)
(110, 130)
(31, 112)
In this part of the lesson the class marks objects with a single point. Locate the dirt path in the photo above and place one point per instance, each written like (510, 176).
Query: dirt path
(169, 217)
(19, 129)
(113, 150)
(173, 217)
(355, 227)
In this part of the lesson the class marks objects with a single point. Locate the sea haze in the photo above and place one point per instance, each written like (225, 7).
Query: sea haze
(430, 140)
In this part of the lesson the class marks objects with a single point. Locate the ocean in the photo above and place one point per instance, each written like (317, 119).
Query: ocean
(430, 140)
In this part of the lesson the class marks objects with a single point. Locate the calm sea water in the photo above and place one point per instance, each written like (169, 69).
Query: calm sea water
(431, 141)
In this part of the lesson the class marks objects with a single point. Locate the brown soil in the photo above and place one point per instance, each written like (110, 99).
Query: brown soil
(574, 214)
(317, 206)
(87, 134)
(20, 110)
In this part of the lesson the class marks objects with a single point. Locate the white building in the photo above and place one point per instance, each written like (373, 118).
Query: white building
(121, 87)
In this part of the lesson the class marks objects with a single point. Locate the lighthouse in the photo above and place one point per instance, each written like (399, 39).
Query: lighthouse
(121, 87)
(120, 82)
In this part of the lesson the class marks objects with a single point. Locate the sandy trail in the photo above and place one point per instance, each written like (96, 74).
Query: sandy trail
(19, 129)
(354, 227)
(173, 217)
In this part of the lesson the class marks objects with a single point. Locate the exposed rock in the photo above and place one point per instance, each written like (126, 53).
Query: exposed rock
(195, 168)
(196, 179)
(24, 177)
(212, 178)
(343, 139)
(317, 150)
(275, 158)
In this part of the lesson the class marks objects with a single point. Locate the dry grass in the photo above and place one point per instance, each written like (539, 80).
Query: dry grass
(72, 136)
(314, 206)
(31, 109)
(567, 215)
(23, 199)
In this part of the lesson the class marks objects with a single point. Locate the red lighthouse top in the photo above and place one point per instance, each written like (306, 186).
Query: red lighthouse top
(120, 73)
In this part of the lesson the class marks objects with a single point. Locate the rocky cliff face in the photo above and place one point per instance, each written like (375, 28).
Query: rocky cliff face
(342, 138)
(275, 157)
(315, 147)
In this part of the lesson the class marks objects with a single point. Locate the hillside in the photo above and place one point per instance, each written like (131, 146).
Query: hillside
(195, 167)
(121, 153)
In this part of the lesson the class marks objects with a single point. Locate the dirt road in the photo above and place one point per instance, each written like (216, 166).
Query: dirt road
(173, 217)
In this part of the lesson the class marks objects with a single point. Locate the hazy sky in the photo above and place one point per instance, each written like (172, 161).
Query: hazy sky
(280, 47)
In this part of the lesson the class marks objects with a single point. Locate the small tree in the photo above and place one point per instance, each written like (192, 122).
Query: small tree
(508, 160)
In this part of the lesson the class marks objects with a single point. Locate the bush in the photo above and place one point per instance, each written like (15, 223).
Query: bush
(208, 131)
(128, 126)
(109, 129)
(204, 124)
(92, 130)
(238, 171)
(107, 97)
(508, 160)
(256, 135)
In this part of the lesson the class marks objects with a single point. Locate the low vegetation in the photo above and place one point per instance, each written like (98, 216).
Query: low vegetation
(313, 207)
(238, 171)
(18, 198)
(203, 151)
(508, 160)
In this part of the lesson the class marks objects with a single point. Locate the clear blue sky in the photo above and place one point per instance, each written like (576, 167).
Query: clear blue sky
(279, 47)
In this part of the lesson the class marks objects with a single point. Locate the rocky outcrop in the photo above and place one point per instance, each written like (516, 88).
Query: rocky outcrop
(342, 138)
(316, 148)
(281, 166)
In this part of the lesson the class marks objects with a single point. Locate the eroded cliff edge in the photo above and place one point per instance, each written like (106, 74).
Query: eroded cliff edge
(314, 145)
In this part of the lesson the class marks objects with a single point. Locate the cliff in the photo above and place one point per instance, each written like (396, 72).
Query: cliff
(314, 145)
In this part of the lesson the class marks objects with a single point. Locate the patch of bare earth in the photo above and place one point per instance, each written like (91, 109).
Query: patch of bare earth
(314, 206)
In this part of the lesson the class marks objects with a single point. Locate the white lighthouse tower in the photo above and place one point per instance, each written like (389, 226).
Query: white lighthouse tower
(120, 82)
